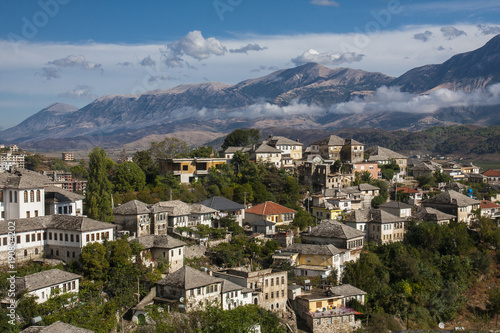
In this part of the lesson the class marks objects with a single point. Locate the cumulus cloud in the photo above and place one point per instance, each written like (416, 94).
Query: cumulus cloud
(423, 36)
(81, 91)
(125, 64)
(264, 68)
(488, 29)
(73, 61)
(50, 73)
(330, 3)
(194, 45)
(147, 61)
(248, 47)
(391, 99)
(333, 58)
(450, 32)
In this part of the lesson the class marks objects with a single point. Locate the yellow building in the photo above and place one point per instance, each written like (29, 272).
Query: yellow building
(189, 169)
(326, 211)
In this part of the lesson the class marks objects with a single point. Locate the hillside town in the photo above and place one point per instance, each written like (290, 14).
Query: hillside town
(286, 230)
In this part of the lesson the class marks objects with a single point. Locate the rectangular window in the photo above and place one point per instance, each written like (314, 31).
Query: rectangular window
(33, 237)
(266, 283)
(66, 237)
(107, 234)
(55, 235)
(272, 282)
(72, 238)
(92, 236)
(88, 238)
(27, 214)
(272, 294)
(36, 213)
(283, 293)
(27, 238)
(77, 238)
(198, 291)
(97, 235)
(74, 284)
(60, 237)
(282, 280)
(4, 241)
(18, 239)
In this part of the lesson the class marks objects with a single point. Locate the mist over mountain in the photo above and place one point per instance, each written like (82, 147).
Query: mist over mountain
(465, 89)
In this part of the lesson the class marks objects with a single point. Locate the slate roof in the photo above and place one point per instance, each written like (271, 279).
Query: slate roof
(281, 140)
(61, 195)
(263, 223)
(373, 215)
(378, 153)
(158, 241)
(395, 204)
(265, 148)
(353, 142)
(432, 214)
(201, 209)
(188, 278)
(228, 286)
(450, 197)
(455, 186)
(335, 229)
(367, 187)
(312, 249)
(23, 179)
(232, 150)
(44, 279)
(331, 140)
(346, 290)
(61, 222)
(57, 327)
(222, 204)
(174, 207)
(269, 208)
(134, 207)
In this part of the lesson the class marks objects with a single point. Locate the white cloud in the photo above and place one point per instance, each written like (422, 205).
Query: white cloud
(50, 73)
(125, 64)
(147, 61)
(80, 92)
(193, 45)
(450, 32)
(75, 61)
(423, 36)
(391, 99)
(330, 3)
(333, 58)
(489, 29)
(248, 47)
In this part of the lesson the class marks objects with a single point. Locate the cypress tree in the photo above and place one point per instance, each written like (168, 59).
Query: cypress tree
(98, 193)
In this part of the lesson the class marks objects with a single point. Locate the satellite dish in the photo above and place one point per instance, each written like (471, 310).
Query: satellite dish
(181, 299)
(441, 325)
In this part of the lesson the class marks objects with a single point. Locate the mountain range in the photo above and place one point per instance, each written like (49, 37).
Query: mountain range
(310, 96)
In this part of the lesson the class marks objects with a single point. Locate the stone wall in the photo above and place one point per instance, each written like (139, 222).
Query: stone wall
(194, 251)
(337, 324)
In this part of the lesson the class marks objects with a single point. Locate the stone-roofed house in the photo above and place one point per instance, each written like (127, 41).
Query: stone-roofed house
(22, 194)
(229, 152)
(162, 247)
(287, 146)
(134, 216)
(336, 233)
(361, 195)
(225, 207)
(234, 295)
(379, 226)
(265, 227)
(47, 283)
(270, 211)
(425, 167)
(454, 203)
(194, 287)
(60, 201)
(383, 156)
(315, 260)
(55, 236)
(433, 215)
(397, 208)
(328, 148)
(263, 153)
(348, 292)
(57, 327)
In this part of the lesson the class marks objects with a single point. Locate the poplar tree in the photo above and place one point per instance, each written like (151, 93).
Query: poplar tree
(98, 192)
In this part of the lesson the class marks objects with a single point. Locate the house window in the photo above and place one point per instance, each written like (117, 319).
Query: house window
(27, 214)
(66, 238)
(73, 255)
(15, 196)
(266, 283)
(88, 238)
(267, 296)
(32, 196)
(25, 196)
(70, 209)
(272, 282)
(27, 238)
(60, 210)
(72, 238)
(10, 196)
(282, 280)
(77, 238)
(74, 284)
(33, 237)
(50, 236)
(38, 196)
(67, 254)
(272, 294)
(57, 252)
(5, 241)
(92, 237)
(198, 291)
(36, 213)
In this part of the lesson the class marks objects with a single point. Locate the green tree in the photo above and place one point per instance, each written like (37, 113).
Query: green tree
(129, 177)
(303, 219)
(241, 138)
(79, 172)
(94, 263)
(98, 193)
(203, 151)
(493, 304)
(169, 148)
(32, 161)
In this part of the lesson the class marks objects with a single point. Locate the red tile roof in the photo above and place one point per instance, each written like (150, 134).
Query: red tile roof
(406, 190)
(269, 208)
(488, 204)
(492, 173)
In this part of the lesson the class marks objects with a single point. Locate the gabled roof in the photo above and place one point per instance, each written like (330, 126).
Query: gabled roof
(228, 286)
(335, 229)
(281, 140)
(263, 223)
(134, 207)
(23, 179)
(44, 279)
(269, 208)
(232, 150)
(174, 207)
(222, 204)
(432, 214)
(406, 190)
(23, 225)
(450, 197)
(395, 204)
(378, 153)
(61, 195)
(331, 140)
(188, 278)
(346, 290)
(76, 223)
(265, 148)
(312, 249)
(201, 209)
(373, 215)
(492, 173)
(353, 142)
(158, 241)
(486, 204)
(57, 327)
(367, 187)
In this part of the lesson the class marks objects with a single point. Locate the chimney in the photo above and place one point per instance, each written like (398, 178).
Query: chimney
(297, 140)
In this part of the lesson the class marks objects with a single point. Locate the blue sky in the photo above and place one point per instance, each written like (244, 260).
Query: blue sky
(74, 51)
